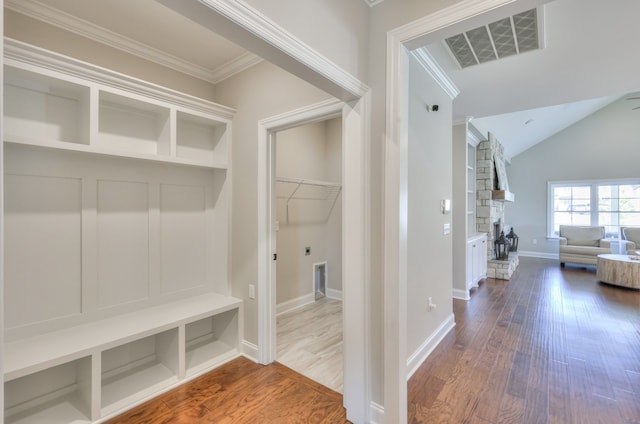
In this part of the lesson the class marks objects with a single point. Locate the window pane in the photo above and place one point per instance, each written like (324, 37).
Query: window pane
(630, 191)
(563, 205)
(562, 192)
(604, 219)
(630, 205)
(604, 192)
(562, 218)
(630, 219)
(582, 192)
(605, 204)
(581, 219)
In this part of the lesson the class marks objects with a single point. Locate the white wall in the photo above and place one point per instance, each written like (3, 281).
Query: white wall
(307, 152)
(260, 92)
(337, 29)
(601, 146)
(429, 251)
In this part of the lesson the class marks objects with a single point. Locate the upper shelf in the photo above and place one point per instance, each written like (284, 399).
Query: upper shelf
(54, 101)
(322, 194)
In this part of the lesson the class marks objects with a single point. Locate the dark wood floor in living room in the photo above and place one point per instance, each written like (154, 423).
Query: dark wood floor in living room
(551, 345)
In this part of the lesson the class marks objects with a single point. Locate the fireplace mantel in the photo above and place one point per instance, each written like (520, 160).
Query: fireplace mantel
(502, 196)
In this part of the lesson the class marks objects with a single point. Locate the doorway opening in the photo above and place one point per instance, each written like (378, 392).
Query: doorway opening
(308, 277)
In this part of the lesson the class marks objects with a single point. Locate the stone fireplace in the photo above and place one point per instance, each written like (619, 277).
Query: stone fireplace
(492, 192)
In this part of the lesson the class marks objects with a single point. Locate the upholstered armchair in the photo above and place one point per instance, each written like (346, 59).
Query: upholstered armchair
(632, 236)
(582, 245)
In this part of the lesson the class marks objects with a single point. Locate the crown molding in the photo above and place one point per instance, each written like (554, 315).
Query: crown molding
(475, 135)
(23, 55)
(73, 24)
(235, 66)
(437, 73)
(256, 23)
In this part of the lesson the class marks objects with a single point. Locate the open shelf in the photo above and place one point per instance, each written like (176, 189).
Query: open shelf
(44, 108)
(135, 370)
(131, 125)
(200, 138)
(210, 341)
(57, 395)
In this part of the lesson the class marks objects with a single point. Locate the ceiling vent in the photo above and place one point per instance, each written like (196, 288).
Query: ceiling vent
(506, 37)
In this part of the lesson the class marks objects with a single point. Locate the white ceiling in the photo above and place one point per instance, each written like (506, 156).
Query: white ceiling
(592, 52)
(591, 58)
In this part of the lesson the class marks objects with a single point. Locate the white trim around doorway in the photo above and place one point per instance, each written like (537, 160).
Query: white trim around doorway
(354, 247)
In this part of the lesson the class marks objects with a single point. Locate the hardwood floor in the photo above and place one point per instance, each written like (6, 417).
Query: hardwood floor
(309, 341)
(549, 346)
(242, 392)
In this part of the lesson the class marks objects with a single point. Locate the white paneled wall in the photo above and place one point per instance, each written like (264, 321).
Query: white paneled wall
(94, 233)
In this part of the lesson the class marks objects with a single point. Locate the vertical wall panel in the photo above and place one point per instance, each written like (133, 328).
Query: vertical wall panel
(42, 248)
(123, 242)
(183, 237)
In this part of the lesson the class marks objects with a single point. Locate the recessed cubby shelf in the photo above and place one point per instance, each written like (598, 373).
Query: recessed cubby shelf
(135, 370)
(210, 340)
(131, 125)
(43, 108)
(201, 138)
(56, 395)
(117, 199)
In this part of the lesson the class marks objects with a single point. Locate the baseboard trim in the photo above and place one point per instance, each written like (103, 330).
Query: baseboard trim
(461, 294)
(541, 255)
(293, 304)
(334, 294)
(421, 354)
(249, 350)
(376, 413)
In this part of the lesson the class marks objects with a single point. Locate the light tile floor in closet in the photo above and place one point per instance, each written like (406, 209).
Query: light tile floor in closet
(310, 341)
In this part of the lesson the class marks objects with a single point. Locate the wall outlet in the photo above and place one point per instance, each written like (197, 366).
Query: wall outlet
(252, 291)
(535, 241)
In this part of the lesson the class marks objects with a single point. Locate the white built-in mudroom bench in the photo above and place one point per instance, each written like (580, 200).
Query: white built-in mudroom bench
(116, 220)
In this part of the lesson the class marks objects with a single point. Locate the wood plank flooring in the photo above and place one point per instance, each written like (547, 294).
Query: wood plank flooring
(242, 392)
(549, 346)
(309, 341)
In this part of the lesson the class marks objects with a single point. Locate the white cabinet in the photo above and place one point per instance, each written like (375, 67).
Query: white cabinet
(117, 197)
(476, 260)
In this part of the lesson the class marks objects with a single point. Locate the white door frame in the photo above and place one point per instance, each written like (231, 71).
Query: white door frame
(354, 241)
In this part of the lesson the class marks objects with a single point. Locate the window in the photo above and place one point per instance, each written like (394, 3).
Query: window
(600, 203)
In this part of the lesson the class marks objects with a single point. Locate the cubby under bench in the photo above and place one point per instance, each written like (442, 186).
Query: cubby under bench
(91, 372)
